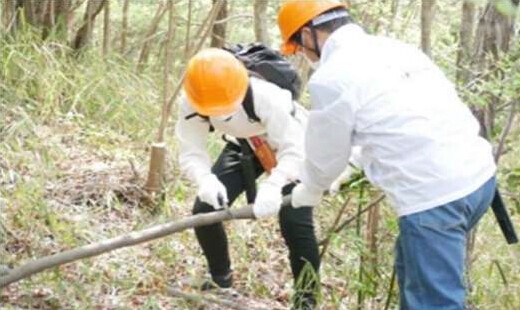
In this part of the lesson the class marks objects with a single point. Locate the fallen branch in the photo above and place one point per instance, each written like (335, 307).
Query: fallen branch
(208, 299)
(130, 239)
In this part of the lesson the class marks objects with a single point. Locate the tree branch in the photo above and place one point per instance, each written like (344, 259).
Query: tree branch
(354, 217)
(130, 239)
(505, 131)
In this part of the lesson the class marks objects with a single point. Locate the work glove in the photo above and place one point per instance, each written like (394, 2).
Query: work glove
(343, 177)
(303, 196)
(269, 196)
(212, 191)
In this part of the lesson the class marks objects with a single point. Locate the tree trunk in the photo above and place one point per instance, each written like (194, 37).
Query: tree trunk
(143, 57)
(58, 19)
(84, 34)
(187, 47)
(466, 35)
(8, 15)
(218, 33)
(260, 10)
(426, 25)
(106, 29)
(124, 30)
(158, 156)
(494, 33)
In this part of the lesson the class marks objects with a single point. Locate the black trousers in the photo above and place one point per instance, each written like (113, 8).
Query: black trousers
(296, 223)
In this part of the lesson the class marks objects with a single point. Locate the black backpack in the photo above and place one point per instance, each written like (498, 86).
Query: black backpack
(267, 64)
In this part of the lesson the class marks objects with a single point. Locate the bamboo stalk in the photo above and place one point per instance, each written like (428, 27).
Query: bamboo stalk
(126, 240)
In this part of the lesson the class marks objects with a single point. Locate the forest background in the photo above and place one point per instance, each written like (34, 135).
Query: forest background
(85, 91)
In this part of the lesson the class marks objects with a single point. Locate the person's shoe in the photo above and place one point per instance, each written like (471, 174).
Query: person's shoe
(225, 281)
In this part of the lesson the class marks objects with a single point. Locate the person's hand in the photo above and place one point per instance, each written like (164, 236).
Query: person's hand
(269, 197)
(268, 200)
(343, 177)
(212, 192)
(303, 196)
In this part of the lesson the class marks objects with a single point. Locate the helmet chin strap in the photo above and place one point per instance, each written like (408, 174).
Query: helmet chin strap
(314, 35)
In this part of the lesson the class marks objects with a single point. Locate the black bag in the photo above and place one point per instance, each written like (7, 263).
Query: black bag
(268, 64)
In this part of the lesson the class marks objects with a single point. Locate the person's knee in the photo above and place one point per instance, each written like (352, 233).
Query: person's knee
(201, 207)
(296, 224)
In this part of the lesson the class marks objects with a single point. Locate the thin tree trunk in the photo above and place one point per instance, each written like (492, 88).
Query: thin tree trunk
(8, 15)
(106, 29)
(124, 30)
(260, 10)
(164, 116)
(218, 33)
(426, 25)
(187, 47)
(371, 235)
(143, 57)
(360, 291)
(126, 240)
(84, 34)
(158, 156)
(466, 35)
(493, 36)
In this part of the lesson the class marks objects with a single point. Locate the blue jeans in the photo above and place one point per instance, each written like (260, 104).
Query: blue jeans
(429, 252)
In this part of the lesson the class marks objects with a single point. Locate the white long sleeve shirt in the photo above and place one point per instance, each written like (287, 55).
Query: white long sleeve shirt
(419, 143)
(283, 131)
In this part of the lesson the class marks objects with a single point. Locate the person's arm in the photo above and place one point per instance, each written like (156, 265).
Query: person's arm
(192, 135)
(327, 141)
(273, 106)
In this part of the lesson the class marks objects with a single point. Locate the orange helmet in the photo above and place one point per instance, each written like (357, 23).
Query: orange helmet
(295, 14)
(216, 82)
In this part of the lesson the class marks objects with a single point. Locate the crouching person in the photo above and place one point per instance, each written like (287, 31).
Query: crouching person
(218, 91)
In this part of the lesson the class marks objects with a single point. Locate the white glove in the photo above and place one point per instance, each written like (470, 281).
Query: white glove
(212, 191)
(302, 196)
(268, 200)
(343, 177)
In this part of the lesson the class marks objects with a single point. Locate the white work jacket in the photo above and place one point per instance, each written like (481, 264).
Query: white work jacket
(282, 123)
(419, 143)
